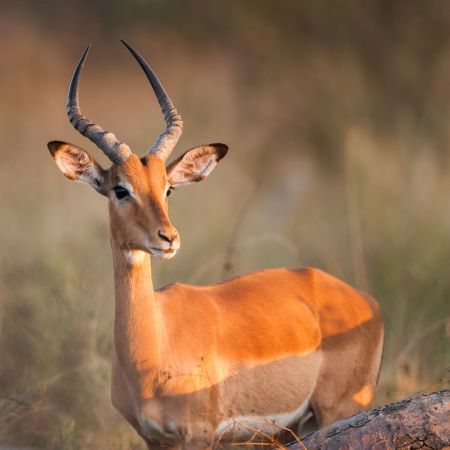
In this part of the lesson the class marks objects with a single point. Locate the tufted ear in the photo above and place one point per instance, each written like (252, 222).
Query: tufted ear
(196, 164)
(77, 165)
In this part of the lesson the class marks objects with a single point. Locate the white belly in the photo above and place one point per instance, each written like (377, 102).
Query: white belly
(244, 428)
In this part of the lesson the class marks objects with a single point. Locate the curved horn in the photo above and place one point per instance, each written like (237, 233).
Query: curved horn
(168, 139)
(116, 151)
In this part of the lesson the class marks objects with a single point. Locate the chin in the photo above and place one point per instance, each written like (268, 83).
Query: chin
(163, 254)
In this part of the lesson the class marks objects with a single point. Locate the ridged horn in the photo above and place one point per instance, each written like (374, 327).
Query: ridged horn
(174, 124)
(116, 151)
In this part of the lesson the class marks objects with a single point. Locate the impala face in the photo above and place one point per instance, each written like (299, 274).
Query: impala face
(137, 188)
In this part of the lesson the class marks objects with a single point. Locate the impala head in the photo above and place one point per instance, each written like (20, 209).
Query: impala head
(137, 188)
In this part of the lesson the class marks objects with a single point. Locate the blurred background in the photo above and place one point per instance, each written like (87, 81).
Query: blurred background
(337, 116)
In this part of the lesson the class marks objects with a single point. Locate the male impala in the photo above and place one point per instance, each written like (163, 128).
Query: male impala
(232, 361)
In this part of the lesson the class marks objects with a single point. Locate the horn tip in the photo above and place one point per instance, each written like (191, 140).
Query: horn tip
(131, 50)
(85, 52)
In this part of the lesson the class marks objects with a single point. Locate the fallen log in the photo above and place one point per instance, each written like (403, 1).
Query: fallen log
(419, 422)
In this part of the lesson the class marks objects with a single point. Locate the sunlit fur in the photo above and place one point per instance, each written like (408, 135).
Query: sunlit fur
(195, 365)
(136, 221)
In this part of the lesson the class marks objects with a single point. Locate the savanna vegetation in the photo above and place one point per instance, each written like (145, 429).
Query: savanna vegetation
(336, 114)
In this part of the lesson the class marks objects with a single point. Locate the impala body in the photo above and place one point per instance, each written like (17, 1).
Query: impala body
(240, 360)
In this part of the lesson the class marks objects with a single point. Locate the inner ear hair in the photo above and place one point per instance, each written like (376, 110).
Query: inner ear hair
(76, 164)
(195, 164)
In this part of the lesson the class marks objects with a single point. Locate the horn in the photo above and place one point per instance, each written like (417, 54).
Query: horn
(116, 151)
(174, 124)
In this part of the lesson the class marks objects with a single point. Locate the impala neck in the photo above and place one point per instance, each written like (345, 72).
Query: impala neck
(135, 324)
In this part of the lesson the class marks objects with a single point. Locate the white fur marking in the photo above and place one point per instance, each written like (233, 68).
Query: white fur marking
(243, 427)
(60, 163)
(134, 256)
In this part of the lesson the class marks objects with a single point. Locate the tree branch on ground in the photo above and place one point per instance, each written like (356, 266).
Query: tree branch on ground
(419, 422)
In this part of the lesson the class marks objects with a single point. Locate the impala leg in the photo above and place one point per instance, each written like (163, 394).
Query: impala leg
(347, 381)
(307, 424)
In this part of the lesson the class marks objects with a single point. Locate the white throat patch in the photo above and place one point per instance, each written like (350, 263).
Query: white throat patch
(134, 257)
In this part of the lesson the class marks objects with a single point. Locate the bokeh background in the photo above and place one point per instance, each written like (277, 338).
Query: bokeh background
(337, 116)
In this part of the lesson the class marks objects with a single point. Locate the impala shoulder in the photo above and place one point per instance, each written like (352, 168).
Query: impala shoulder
(169, 288)
(176, 290)
(183, 295)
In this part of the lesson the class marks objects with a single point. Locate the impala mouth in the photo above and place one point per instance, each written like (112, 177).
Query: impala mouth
(162, 253)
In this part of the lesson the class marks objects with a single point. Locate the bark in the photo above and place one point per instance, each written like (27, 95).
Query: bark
(421, 422)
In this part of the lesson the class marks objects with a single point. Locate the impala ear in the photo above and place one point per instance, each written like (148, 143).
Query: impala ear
(196, 164)
(77, 165)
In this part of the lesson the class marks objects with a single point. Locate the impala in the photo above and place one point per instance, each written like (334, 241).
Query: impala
(195, 366)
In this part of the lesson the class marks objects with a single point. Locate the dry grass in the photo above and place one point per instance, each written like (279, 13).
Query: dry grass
(339, 159)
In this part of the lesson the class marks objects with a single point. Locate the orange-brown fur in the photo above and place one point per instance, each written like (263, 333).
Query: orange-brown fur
(148, 216)
(188, 357)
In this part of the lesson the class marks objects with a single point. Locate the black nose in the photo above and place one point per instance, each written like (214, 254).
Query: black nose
(164, 237)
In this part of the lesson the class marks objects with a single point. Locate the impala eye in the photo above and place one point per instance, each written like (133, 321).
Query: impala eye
(121, 192)
(169, 191)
